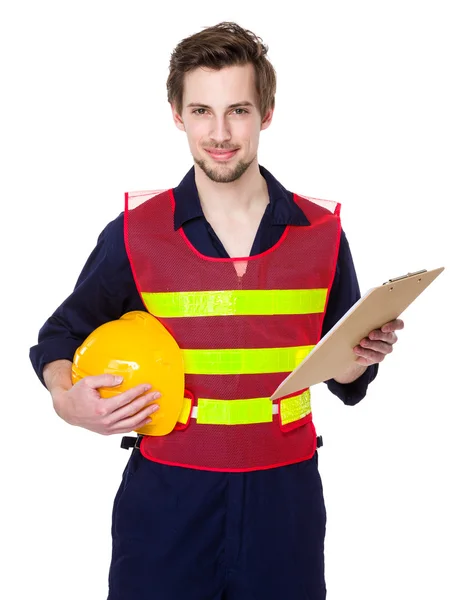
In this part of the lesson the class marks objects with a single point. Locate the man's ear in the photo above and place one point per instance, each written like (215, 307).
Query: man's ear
(267, 119)
(178, 121)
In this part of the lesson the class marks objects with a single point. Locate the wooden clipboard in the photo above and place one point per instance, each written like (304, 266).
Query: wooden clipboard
(334, 352)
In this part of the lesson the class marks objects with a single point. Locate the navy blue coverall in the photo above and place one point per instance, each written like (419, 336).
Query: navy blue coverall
(185, 534)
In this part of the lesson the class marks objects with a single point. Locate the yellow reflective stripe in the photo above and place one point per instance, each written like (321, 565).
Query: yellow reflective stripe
(295, 408)
(235, 302)
(247, 411)
(244, 361)
(252, 410)
(234, 412)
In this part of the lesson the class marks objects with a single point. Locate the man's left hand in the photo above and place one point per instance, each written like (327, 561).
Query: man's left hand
(375, 347)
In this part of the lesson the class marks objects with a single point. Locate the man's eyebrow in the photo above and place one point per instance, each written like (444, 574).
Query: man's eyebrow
(235, 105)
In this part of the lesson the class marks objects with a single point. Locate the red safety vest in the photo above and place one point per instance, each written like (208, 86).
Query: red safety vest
(243, 325)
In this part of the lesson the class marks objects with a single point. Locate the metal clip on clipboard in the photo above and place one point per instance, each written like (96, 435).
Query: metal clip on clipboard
(405, 276)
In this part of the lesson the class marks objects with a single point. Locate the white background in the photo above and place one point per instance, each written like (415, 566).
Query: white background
(374, 109)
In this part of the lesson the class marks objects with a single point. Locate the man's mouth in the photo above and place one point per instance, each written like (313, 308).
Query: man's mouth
(221, 155)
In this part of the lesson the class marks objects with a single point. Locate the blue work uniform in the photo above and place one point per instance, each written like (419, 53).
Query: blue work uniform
(189, 534)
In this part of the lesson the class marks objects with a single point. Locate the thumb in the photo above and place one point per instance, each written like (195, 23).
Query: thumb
(103, 380)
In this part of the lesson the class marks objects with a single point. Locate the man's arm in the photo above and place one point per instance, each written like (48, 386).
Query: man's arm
(104, 291)
(350, 387)
(57, 377)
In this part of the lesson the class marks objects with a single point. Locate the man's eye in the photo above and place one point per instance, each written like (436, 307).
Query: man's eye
(242, 111)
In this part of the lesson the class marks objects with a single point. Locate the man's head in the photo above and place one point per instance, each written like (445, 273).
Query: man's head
(222, 90)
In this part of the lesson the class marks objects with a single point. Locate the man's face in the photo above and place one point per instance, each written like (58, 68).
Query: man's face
(222, 120)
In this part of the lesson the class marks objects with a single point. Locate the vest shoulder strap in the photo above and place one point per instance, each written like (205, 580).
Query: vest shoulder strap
(134, 199)
(330, 205)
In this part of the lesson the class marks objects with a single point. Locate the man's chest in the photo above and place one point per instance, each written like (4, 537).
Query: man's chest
(236, 236)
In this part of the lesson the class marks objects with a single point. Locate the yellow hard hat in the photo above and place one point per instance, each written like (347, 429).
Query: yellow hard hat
(141, 350)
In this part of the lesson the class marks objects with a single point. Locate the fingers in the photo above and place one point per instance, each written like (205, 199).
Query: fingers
(386, 332)
(123, 399)
(127, 411)
(377, 334)
(373, 348)
(382, 347)
(368, 357)
(134, 421)
(109, 380)
(379, 342)
(393, 326)
(134, 407)
(103, 380)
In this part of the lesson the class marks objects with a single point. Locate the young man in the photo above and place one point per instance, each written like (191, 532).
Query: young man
(217, 510)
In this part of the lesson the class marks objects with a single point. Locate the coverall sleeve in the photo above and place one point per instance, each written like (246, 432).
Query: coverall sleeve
(344, 294)
(104, 291)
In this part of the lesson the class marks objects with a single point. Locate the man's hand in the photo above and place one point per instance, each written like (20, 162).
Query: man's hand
(375, 347)
(372, 349)
(82, 405)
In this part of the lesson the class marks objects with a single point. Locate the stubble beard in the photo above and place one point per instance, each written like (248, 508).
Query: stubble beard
(227, 175)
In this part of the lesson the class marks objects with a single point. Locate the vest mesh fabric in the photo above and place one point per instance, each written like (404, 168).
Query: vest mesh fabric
(163, 260)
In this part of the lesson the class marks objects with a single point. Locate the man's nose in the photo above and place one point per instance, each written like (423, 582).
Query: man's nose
(220, 131)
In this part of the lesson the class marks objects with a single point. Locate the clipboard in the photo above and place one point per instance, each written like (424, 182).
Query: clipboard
(334, 352)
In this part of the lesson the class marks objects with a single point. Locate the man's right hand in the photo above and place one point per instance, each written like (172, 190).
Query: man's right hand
(82, 405)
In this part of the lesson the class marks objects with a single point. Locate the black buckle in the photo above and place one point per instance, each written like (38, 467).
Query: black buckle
(131, 442)
(319, 441)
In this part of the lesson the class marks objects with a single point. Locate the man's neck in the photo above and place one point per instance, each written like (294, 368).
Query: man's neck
(247, 194)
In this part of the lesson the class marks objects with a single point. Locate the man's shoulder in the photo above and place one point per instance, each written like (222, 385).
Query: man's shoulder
(114, 227)
(111, 238)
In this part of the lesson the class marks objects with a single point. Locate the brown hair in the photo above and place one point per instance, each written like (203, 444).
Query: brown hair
(222, 45)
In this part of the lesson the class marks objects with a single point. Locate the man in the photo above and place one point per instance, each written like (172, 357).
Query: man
(217, 510)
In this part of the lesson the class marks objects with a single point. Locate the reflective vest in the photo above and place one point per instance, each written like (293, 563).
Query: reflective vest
(243, 324)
